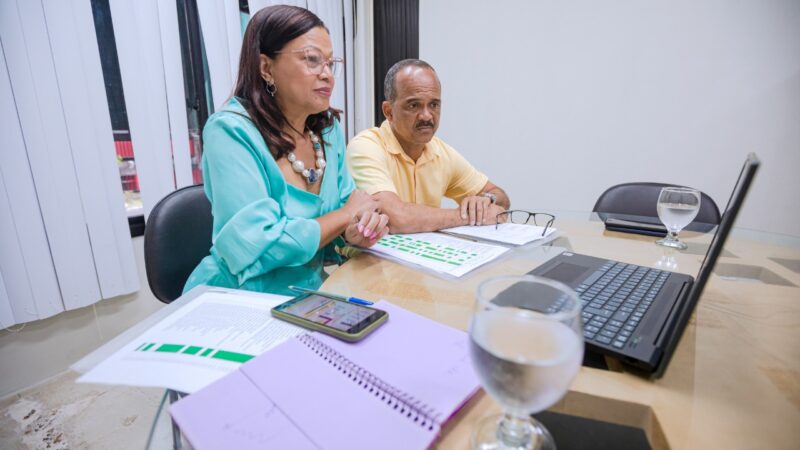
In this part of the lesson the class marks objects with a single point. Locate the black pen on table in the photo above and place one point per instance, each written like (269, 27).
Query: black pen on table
(356, 300)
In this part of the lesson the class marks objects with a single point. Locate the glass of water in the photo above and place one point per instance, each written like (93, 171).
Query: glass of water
(526, 344)
(677, 207)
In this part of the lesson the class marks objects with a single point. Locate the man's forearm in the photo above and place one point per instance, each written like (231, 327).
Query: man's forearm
(414, 218)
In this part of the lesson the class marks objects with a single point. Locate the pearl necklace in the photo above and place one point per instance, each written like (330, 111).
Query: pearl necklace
(311, 175)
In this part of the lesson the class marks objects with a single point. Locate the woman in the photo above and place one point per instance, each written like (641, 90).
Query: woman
(274, 164)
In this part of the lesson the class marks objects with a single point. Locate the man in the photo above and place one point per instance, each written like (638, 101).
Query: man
(409, 170)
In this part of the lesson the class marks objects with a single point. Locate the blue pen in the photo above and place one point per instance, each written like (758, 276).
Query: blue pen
(356, 300)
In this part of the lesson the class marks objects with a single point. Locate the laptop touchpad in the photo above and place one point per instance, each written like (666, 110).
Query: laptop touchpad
(566, 272)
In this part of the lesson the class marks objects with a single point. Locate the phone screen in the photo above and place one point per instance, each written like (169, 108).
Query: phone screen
(347, 317)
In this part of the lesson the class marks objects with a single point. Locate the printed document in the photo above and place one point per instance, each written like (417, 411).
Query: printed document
(437, 252)
(199, 343)
(506, 233)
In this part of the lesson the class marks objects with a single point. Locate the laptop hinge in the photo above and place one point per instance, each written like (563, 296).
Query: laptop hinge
(671, 322)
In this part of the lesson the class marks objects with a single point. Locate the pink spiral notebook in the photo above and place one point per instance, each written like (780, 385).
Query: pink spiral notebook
(393, 390)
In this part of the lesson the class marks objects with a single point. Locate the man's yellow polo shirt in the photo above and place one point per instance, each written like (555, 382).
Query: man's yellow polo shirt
(378, 163)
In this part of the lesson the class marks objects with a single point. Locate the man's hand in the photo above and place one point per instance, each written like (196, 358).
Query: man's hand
(479, 210)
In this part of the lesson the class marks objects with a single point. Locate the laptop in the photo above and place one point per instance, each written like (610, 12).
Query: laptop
(635, 313)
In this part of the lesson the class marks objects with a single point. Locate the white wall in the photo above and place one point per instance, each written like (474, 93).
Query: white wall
(558, 101)
(47, 347)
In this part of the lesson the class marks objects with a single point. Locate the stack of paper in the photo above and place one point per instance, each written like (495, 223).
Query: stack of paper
(198, 344)
(437, 252)
(505, 233)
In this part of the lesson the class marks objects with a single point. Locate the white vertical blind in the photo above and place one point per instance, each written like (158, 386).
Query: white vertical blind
(255, 5)
(349, 62)
(233, 28)
(147, 85)
(64, 234)
(70, 26)
(40, 109)
(332, 13)
(363, 73)
(6, 313)
(23, 241)
(222, 36)
(176, 98)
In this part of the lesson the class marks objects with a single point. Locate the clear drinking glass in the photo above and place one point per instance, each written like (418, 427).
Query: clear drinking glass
(526, 344)
(677, 207)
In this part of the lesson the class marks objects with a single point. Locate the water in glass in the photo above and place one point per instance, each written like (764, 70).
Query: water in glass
(519, 374)
(677, 207)
(526, 345)
(676, 216)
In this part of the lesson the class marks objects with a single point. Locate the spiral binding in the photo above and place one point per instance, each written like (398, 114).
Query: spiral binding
(415, 410)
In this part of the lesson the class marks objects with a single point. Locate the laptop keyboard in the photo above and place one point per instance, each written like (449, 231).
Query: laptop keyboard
(615, 298)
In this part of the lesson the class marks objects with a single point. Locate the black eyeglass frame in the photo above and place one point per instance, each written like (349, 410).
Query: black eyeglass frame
(550, 218)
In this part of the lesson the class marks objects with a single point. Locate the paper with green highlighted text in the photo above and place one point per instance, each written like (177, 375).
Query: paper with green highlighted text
(437, 252)
(199, 343)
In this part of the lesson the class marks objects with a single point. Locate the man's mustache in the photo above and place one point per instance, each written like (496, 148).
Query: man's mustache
(423, 124)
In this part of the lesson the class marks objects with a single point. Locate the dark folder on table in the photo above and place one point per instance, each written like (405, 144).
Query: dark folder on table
(394, 389)
(638, 226)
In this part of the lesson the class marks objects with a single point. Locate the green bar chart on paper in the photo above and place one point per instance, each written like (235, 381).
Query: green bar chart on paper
(193, 350)
(437, 252)
(197, 343)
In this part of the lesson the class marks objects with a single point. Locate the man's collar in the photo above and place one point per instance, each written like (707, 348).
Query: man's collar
(393, 145)
(429, 152)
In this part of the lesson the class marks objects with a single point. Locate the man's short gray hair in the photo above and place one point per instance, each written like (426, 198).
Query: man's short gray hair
(389, 91)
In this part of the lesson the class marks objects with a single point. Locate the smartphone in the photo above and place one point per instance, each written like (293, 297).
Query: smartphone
(347, 321)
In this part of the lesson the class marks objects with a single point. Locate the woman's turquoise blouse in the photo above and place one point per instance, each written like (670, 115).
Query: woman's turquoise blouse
(265, 237)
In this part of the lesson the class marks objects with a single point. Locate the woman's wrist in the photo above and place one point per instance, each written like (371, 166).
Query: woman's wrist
(349, 214)
(343, 218)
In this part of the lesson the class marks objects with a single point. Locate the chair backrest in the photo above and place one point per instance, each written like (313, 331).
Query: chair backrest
(639, 199)
(176, 237)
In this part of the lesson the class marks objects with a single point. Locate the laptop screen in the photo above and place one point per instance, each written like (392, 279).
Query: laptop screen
(726, 223)
(749, 169)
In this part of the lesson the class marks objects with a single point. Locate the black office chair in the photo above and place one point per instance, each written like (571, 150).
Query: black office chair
(176, 237)
(636, 200)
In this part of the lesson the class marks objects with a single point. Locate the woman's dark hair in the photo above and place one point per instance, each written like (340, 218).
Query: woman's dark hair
(269, 30)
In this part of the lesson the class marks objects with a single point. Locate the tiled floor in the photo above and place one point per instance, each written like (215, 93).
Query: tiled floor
(61, 414)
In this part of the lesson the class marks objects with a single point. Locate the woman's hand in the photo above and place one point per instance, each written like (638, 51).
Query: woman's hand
(367, 229)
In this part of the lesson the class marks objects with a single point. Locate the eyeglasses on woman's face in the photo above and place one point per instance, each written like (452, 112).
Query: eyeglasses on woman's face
(316, 61)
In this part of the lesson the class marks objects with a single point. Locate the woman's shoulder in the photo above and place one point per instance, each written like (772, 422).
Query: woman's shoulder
(232, 122)
(229, 135)
(232, 113)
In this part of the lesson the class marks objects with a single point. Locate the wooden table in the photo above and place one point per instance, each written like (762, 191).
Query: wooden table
(734, 381)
